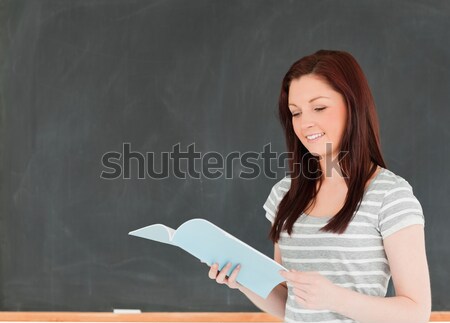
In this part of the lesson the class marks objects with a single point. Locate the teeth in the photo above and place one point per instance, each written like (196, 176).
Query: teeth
(315, 136)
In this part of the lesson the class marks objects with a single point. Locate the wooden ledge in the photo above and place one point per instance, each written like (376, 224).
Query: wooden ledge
(141, 317)
(157, 317)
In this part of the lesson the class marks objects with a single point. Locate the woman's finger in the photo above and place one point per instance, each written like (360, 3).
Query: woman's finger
(302, 285)
(303, 294)
(213, 271)
(221, 277)
(232, 279)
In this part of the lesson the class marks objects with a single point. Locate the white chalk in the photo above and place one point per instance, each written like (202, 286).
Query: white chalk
(126, 311)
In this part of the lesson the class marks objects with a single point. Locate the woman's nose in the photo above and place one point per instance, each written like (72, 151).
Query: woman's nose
(306, 122)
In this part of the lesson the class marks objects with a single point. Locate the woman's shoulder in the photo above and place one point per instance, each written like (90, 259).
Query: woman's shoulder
(278, 191)
(393, 192)
(283, 184)
(388, 180)
(399, 206)
(280, 188)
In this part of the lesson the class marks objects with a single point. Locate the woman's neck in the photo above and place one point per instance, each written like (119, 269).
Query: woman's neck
(331, 171)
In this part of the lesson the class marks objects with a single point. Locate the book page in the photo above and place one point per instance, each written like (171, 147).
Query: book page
(171, 232)
(156, 232)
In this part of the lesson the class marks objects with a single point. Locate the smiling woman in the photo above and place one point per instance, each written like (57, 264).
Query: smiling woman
(319, 120)
(326, 96)
(342, 223)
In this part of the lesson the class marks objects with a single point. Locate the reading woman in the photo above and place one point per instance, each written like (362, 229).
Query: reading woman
(342, 223)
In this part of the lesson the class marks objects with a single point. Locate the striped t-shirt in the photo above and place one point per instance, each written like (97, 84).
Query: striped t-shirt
(355, 259)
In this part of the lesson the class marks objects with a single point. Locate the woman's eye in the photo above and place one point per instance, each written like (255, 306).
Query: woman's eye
(295, 114)
(320, 109)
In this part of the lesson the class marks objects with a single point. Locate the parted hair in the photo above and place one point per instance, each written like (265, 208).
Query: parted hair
(360, 151)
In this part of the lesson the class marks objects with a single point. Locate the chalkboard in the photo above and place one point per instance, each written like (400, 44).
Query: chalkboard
(83, 82)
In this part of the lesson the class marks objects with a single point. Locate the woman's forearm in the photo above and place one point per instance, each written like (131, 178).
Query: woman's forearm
(367, 309)
(274, 304)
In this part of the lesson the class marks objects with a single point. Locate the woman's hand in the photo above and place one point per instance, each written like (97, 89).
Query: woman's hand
(312, 290)
(222, 278)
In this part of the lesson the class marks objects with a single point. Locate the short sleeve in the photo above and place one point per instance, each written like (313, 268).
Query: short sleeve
(276, 195)
(399, 209)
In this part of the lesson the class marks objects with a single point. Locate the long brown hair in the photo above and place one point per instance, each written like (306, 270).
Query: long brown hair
(360, 141)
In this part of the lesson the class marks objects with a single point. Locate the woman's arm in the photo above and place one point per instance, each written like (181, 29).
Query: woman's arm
(275, 302)
(406, 253)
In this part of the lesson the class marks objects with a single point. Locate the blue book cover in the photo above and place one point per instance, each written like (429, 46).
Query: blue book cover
(211, 244)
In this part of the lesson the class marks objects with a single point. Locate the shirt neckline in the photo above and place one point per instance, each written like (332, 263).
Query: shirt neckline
(365, 192)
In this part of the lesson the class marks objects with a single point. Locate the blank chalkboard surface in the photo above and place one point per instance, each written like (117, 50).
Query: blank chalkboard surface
(95, 95)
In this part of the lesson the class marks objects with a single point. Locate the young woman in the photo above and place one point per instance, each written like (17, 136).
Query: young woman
(342, 223)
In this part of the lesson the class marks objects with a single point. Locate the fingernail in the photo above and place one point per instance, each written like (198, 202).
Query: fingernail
(238, 266)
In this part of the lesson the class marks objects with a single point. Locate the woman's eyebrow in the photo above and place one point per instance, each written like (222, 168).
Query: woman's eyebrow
(326, 97)
(318, 97)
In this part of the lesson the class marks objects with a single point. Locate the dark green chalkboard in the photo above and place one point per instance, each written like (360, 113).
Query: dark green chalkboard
(79, 79)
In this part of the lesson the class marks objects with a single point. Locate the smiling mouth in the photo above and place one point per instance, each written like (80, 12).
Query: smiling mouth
(315, 137)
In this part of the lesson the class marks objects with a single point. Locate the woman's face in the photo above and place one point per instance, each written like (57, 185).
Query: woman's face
(317, 109)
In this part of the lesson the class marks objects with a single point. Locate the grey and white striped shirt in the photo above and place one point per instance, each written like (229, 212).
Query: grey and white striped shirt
(355, 259)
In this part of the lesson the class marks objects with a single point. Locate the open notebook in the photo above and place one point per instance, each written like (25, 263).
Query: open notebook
(211, 244)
